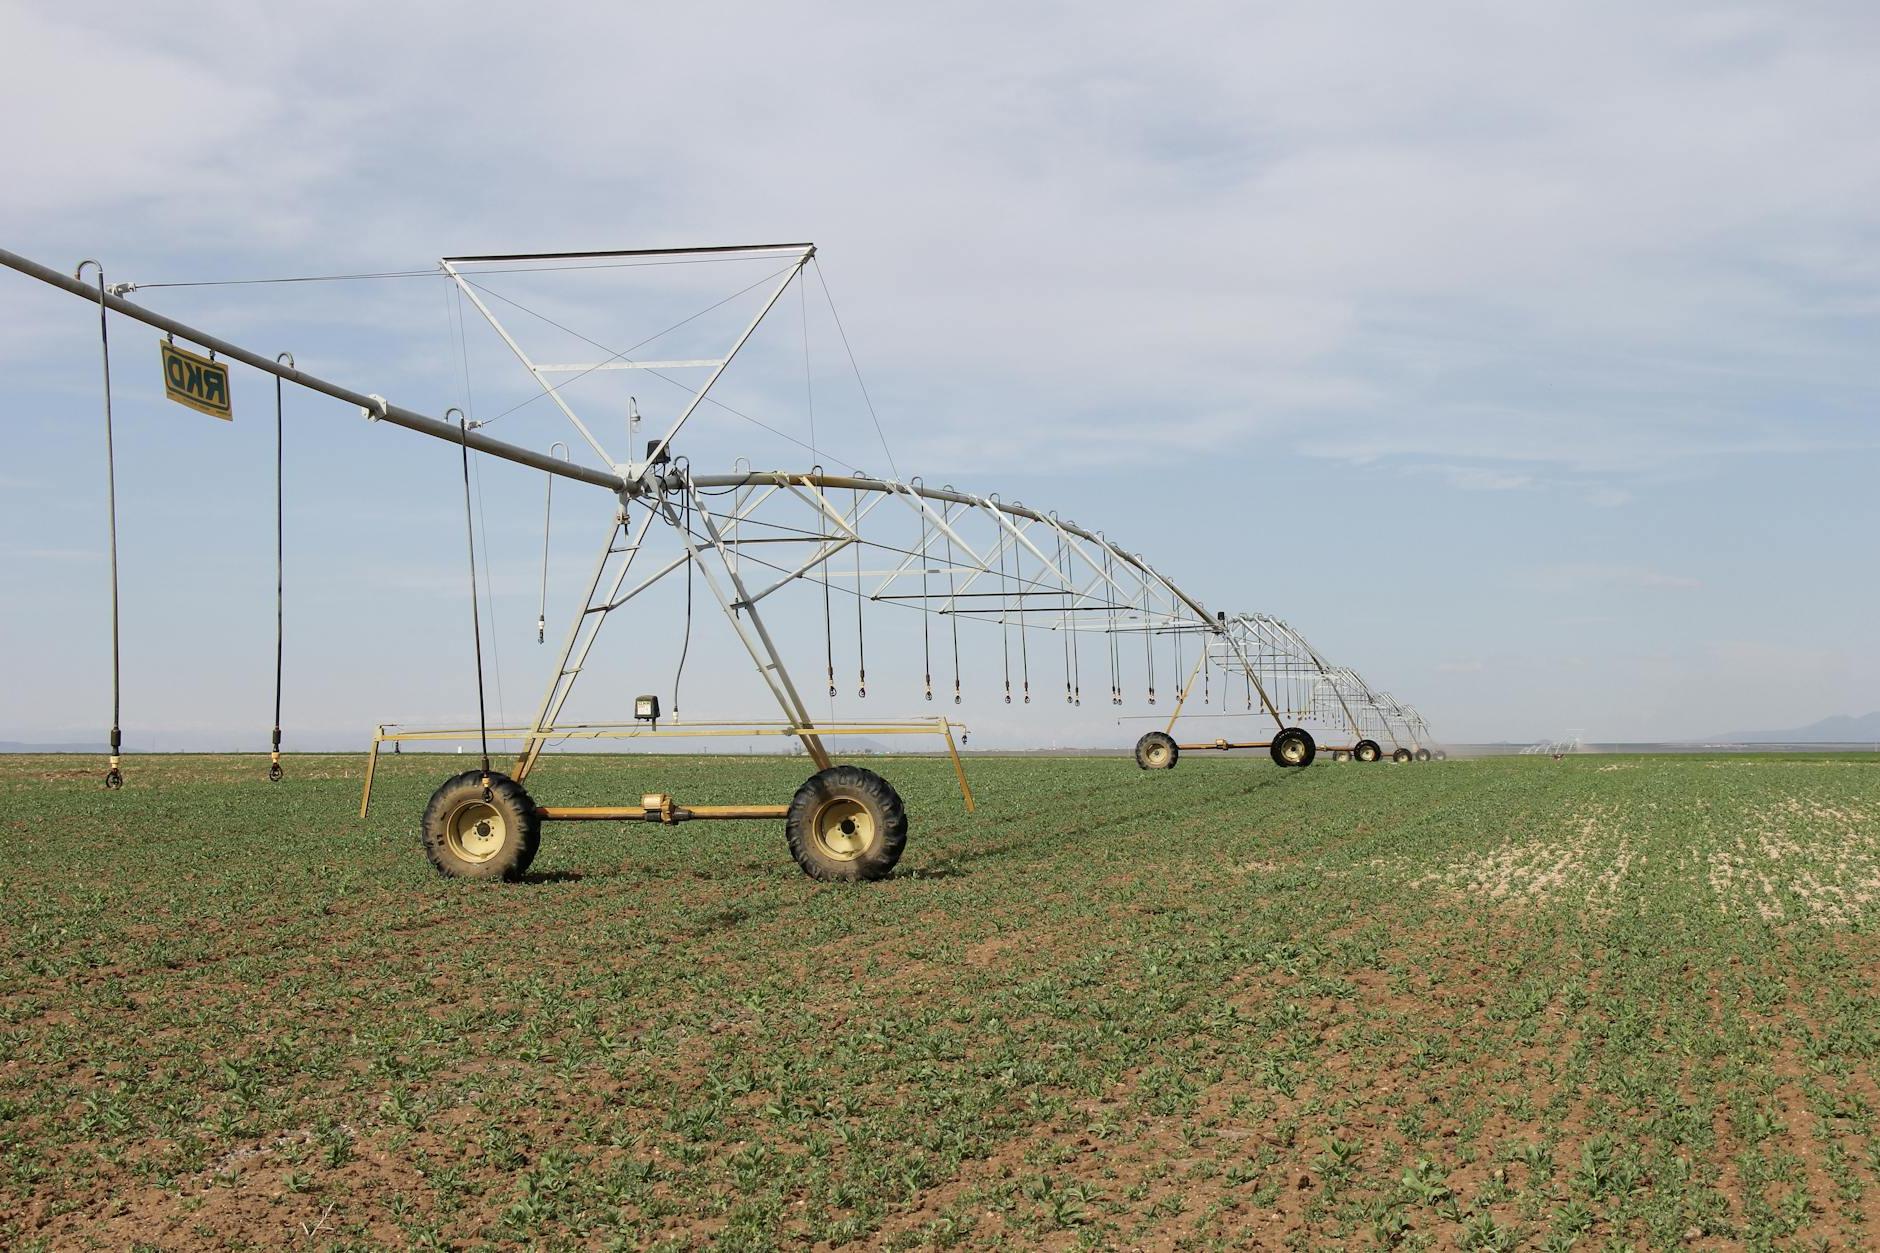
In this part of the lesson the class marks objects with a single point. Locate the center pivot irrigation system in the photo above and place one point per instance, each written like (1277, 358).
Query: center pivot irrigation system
(1063, 600)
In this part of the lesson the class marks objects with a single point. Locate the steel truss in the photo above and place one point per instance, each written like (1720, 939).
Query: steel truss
(884, 542)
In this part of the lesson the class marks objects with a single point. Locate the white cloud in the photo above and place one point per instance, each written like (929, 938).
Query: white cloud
(1476, 478)
(1558, 256)
(1535, 236)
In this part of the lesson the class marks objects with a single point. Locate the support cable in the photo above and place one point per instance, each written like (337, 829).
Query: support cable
(866, 398)
(622, 353)
(275, 773)
(809, 389)
(113, 775)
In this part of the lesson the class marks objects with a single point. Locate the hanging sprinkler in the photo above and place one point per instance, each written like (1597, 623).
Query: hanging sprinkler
(114, 774)
(275, 773)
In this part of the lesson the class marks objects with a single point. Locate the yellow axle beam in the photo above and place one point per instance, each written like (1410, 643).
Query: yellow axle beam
(663, 810)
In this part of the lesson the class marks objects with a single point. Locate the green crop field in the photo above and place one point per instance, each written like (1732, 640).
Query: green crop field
(1622, 1002)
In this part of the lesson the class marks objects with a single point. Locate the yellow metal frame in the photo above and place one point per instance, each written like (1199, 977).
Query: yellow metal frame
(941, 727)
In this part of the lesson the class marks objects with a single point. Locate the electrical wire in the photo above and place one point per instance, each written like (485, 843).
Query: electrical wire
(113, 775)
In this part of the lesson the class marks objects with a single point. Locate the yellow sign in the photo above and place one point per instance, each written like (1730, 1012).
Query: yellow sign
(195, 381)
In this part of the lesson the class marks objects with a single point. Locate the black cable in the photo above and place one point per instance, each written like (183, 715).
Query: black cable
(861, 642)
(1180, 674)
(926, 617)
(275, 773)
(548, 518)
(1005, 634)
(685, 643)
(1065, 619)
(829, 642)
(953, 619)
(1148, 642)
(1024, 647)
(476, 627)
(113, 775)
(1110, 636)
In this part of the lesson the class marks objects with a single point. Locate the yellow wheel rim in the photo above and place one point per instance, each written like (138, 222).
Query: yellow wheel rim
(1293, 750)
(1157, 754)
(843, 829)
(476, 831)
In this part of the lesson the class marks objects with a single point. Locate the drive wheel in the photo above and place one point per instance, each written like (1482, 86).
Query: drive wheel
(470, 835)
(1400, 756)
(1293, 747)
(1366, 750)
(846, 824)
(1441, 755)
(1157, 751)
(1423, 754)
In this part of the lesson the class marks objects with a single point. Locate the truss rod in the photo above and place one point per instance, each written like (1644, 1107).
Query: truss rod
(634, 252)
(709, 482)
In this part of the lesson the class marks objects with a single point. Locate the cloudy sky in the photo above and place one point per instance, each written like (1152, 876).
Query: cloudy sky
(1523, 356)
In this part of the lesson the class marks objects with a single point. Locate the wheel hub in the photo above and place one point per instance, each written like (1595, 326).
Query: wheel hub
(843, 829)
(476, 831)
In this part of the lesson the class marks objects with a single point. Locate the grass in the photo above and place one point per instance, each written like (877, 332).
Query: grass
(1600, 1003)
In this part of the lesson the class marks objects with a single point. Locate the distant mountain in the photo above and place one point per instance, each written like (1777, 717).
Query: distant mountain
(1840, 729)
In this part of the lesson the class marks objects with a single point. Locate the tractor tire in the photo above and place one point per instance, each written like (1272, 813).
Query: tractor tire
(1401, 756)
(1293, 747)
(1423, 754)
(1366, 750)
(469, 836)
(1157, 751)
(1441, 755)
(846, 824)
